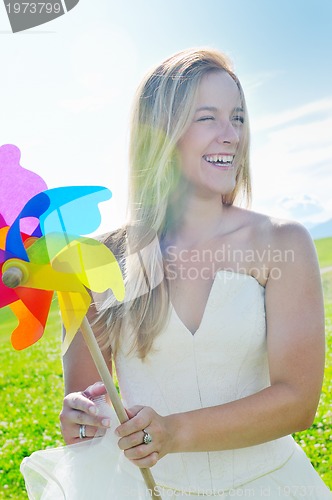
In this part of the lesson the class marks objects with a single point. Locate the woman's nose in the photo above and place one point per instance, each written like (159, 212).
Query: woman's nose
(228, 134)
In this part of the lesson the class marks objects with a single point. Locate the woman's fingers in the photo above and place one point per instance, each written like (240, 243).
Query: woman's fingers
(78, 401)
(95, 390)
(71, 420)
(139, 418)
(132, 440)
(81, 409)
(139, 453)
(143, 438)
(147, 461)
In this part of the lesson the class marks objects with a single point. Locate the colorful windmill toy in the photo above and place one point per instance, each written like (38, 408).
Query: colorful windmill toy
(42, 252)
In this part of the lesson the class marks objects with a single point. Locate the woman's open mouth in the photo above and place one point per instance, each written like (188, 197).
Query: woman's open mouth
(220, 160)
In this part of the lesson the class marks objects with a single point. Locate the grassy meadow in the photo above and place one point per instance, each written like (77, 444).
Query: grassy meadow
(31, 389)
(324, 250)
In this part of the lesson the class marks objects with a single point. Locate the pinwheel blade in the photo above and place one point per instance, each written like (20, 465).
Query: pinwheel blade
(59, 210)
(67, 204)
(31, 311)
(94, 264)
(73, 307)
(17, 186)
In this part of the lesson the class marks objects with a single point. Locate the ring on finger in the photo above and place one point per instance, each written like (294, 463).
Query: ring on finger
(147, 438)
(82, 432)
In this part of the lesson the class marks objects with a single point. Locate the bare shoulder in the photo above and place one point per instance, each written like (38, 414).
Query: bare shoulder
(274, 232)
(288, 236)
(275, 243)
(289, 243)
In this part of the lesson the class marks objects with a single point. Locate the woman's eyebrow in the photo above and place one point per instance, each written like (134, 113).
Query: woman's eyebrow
(206, 108)
(214, 109)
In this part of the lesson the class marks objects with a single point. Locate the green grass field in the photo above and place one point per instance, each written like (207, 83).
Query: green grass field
(324, 251)
(31, 388)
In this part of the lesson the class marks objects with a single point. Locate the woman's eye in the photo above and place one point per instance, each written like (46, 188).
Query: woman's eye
(238, 118)
(205, 118)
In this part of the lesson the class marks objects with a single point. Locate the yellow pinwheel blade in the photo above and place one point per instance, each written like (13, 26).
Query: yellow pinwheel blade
(93, 264)
(73, 307)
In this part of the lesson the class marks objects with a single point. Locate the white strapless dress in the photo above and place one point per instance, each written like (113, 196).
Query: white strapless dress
(225, 360)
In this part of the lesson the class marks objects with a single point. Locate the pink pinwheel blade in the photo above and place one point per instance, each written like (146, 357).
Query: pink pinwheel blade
(17, 186)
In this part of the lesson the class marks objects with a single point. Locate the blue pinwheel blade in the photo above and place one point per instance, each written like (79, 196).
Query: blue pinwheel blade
(74, 209)
(35, 207)
(71, 210)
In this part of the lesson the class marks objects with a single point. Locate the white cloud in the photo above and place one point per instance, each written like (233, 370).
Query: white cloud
(303, 147)
(292, 159)
(302, 207)
(320, 107)
(253, 81)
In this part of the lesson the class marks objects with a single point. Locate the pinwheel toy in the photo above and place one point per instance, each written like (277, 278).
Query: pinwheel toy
(42, 254)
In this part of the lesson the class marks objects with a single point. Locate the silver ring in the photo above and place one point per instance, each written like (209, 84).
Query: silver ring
(147, 439)
(82, 431)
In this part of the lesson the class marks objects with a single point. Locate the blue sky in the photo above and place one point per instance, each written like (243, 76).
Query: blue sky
(67, 87)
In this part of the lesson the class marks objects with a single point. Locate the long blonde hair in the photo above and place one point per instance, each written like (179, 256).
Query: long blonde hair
(163, 110)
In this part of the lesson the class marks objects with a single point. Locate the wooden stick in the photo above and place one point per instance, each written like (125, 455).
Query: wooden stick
(12, 278)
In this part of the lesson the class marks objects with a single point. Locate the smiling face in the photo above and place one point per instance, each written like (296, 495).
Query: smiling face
(207, 148)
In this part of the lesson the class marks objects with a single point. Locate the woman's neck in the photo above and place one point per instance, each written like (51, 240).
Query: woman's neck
(199, 220)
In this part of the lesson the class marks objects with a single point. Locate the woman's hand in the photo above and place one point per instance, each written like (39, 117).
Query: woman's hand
(144, 422)
(80, 409)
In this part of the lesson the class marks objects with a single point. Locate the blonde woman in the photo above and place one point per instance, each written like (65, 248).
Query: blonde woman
(219, 344)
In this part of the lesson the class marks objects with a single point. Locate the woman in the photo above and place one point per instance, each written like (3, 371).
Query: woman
(220, 357)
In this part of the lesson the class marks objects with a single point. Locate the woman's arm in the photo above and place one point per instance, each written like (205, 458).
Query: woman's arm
(295, 341)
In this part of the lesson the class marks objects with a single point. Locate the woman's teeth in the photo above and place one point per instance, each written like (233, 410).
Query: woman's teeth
(222, 159)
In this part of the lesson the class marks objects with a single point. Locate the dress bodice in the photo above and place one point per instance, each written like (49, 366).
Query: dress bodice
(225, 360)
